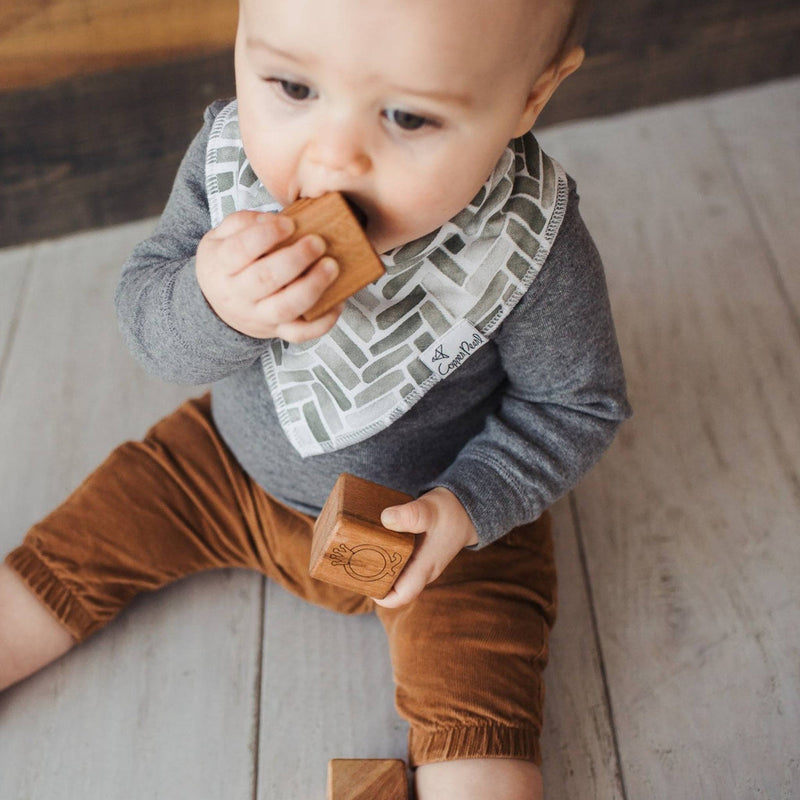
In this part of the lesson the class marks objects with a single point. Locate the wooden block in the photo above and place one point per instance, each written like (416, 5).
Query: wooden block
(350, 547)
(367, 779)
(332, 218)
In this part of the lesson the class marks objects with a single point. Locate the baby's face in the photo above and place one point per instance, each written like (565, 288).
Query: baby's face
(405, 107)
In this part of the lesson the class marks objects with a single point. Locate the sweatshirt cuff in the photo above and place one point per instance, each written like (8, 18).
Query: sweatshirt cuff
(492, 498)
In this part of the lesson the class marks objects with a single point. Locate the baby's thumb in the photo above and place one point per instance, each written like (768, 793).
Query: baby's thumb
(413, 517)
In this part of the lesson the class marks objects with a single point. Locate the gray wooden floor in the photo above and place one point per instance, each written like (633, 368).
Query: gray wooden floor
(676, 660)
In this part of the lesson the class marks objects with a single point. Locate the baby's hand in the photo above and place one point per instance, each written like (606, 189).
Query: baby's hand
(444, 529)
(258, 287)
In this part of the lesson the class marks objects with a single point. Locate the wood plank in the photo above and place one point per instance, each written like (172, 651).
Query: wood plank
(13, 270)
(100, 150)
(579, 757)
(691, 523)
(647, 72)
(140, 710)
(647, 53)
(69, 358)
(647, 28)
(768, 177)
(327, 692)
(41, 42)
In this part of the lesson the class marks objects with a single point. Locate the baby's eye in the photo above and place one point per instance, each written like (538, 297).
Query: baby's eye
(293, 90)
(406, 120)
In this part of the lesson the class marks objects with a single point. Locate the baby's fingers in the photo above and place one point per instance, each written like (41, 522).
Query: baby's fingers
(413, 517)
(419, 572)
(238, 221)
(244, 237)
(302, 331)
(298, 295)
(283, 266)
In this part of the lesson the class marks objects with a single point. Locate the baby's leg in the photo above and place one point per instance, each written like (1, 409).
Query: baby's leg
(468, 656)
(30, 636)
(479, 778)
(155, 511)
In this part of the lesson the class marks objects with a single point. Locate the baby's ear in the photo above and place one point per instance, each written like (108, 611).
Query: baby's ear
(546, 85)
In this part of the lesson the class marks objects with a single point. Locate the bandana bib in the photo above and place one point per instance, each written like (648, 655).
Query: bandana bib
(442, 297)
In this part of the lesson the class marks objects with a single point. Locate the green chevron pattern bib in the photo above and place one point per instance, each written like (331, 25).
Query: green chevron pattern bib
(442, 297)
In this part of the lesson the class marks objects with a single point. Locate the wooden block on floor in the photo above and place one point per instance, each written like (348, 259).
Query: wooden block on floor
(332, 218)
(367, 779)
(350, 547)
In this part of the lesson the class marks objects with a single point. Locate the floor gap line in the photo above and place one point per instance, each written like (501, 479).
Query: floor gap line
(5, 356)
(257, 689)
(597, 643)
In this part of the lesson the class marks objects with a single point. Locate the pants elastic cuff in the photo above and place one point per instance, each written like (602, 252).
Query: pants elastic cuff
(64, 606)
(489, 741)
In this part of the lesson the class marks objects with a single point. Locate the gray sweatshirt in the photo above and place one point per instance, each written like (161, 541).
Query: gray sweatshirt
(509, 431)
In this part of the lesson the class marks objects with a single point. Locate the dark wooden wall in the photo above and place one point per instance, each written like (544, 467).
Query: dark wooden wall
(102, 148)
(643, 52)
(46, 40)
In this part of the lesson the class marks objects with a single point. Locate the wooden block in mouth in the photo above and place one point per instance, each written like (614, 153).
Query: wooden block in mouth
(332, 218)
(350, 547)
(367, 779)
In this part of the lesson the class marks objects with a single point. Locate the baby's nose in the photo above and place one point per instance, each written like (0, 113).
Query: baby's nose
(339, 148)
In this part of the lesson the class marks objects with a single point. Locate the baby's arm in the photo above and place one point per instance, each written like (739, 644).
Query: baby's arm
(563, 401)
(187, 333)
(564, 398)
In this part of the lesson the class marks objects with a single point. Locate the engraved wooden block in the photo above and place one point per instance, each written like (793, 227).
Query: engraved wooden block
(367, 779)
(332, 218)
(350, 547)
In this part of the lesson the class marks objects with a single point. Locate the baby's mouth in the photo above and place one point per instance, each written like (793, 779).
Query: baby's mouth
(358, 212)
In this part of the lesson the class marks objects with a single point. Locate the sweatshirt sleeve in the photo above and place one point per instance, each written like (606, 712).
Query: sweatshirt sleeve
(163, 316)
(564, 396)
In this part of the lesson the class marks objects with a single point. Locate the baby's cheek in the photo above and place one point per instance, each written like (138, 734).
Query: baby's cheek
(266, 161)
(278, 182)
(432, 207)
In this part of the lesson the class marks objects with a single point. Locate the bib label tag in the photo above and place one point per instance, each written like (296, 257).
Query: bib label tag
(450, 351)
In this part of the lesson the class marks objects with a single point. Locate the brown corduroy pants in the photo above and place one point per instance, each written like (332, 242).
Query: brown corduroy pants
(467, 655)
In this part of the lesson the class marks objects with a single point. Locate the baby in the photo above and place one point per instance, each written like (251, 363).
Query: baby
(419, 112)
